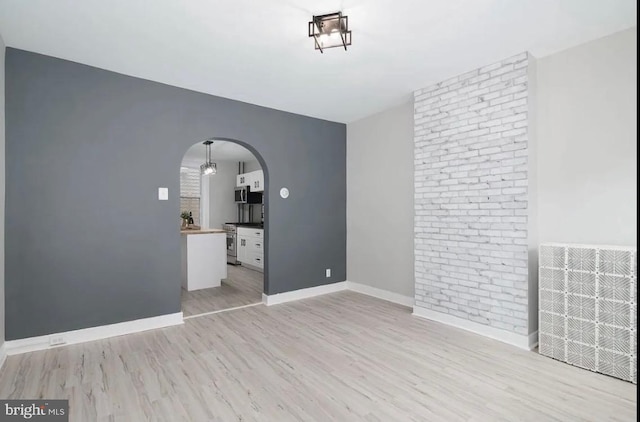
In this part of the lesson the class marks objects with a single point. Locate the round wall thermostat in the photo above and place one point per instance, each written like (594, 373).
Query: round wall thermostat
(284, 193)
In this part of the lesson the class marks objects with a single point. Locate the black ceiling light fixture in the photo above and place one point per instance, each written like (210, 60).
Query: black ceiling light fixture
(331, 30)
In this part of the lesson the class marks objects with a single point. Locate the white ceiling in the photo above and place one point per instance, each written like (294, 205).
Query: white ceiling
(258, 50)
(220, 151)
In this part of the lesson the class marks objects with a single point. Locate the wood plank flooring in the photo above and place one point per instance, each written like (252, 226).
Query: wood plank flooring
(339, 357)
(242, 287)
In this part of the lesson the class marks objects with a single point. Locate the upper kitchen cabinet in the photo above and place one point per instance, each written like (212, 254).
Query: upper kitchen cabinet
(254, 179)
(257, 181)
(242, 180)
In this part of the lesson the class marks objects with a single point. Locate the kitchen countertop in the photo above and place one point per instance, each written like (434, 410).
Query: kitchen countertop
(201, 231)
(252, 225)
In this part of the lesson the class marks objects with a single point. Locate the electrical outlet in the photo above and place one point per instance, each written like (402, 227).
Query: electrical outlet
(56, 340)
(327, 272)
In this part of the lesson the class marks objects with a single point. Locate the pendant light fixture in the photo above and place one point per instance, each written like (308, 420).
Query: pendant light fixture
(331, 30)
(209, 167)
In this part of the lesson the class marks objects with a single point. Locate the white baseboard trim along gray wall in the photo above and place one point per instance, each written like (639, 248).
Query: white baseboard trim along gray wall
(527, 342)
(31, 344)
(337, 287)
(279, 298)
(381, 294)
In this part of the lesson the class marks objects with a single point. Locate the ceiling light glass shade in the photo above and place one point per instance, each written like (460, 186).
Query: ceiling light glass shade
(330, 40)
(209, 167)
(330, 31)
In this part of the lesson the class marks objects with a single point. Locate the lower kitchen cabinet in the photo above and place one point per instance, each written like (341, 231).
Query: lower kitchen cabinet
(242, 249)
(251, 247)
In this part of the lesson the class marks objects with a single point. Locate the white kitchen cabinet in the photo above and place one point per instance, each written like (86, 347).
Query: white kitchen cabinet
(257, 181)
(242, 180)
(243, 249)
(251, 232)
(254, 179)
(255, 260)
(251, 247)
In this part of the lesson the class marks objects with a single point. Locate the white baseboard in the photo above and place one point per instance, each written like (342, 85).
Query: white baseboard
(3, 354)
(518, 340)
(279, 298)
(31, 344)
(337, 287)
(219, 311)
(380, 294)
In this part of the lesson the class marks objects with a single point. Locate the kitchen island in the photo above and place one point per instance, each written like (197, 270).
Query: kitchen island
(204, 258)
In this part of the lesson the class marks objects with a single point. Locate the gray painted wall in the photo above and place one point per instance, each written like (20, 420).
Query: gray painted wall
(2, 191)
(87, 241)
(587, 134)
(380, 206)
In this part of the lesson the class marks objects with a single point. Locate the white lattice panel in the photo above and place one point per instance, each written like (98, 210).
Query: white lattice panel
(588, 305)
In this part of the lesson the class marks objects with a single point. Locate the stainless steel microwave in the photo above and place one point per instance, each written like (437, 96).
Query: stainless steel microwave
(245, 196)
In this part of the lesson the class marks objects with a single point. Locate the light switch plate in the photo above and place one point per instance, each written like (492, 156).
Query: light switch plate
(163, 194)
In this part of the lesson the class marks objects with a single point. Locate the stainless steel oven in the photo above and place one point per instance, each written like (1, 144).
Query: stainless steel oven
(232, 243)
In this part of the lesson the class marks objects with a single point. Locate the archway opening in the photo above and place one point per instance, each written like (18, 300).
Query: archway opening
(224, 226)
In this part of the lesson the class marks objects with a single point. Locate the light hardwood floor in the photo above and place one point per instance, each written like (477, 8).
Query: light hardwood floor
(339, 357)
(242, 287)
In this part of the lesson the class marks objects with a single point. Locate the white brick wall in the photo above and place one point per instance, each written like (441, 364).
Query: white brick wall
(471, 195)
